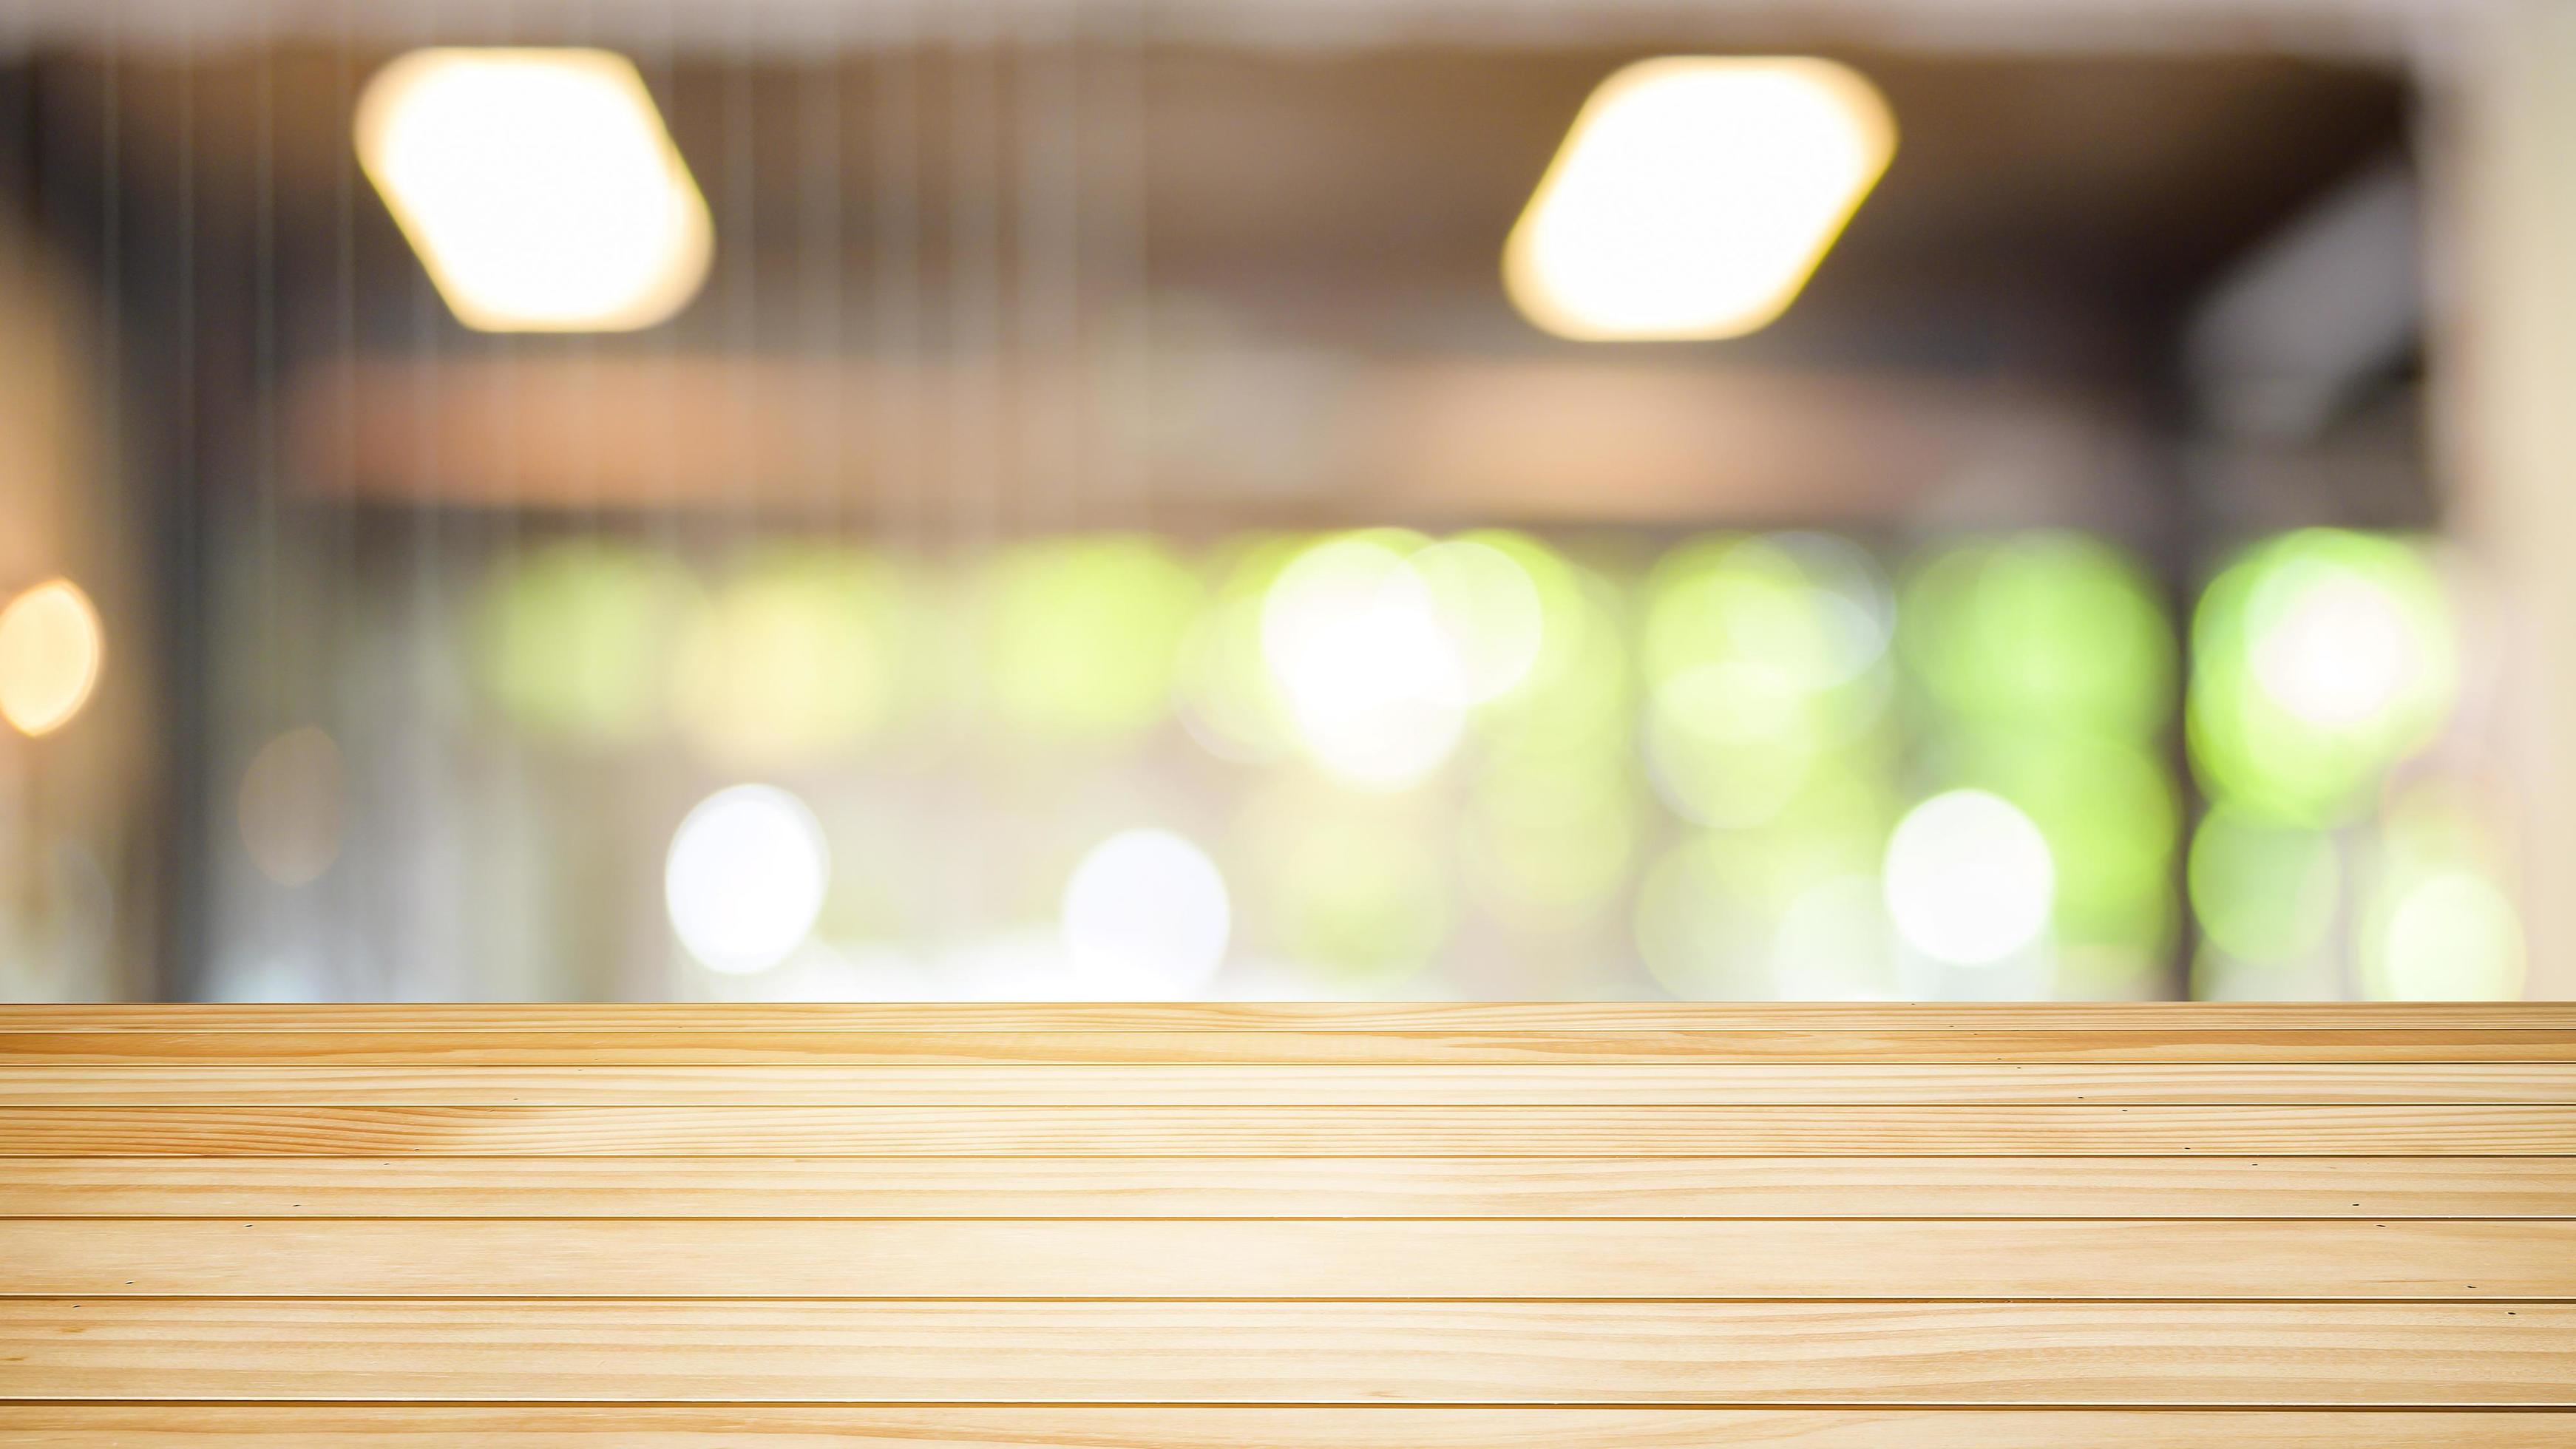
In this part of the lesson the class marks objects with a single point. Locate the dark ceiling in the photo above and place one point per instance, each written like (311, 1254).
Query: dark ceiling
(2042, 211)
(2006, 303)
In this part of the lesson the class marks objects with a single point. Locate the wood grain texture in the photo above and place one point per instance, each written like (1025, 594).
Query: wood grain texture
(550, 1426)
(1285, 1259)
(1199, 1085)
(1555, 1017)
(685, 1041)
(1280, 1131)
(1261, 1187)
(1291, 1033)
(2403, 1354)
(1288, 1227)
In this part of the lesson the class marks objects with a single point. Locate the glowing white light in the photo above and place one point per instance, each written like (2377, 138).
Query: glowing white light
(746, 877)
(1374, 682)
(538, 186)
(1832, 944)
(1145, 917)
(1490, 610)
(1694, 196)
(1969, 879)
(2340, 656)
(50, 650)
(2454, 937)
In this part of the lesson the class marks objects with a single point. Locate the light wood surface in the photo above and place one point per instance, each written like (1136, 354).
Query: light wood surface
(1410, 1132)
(1330, 1017)
(1288, 1033)
(1711, 1084)
(1267, 1187)
(1284, 1259)
(1121, 1351)
(2149, 1040)
(1552, 1018)
(553, 1426)
(1288, 1227)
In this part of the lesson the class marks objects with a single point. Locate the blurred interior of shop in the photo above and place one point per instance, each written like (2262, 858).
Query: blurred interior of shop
(1240, 499)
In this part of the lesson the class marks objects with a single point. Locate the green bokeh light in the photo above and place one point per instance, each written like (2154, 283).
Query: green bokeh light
(2320, 658)
(573, 637)
(2263, 891)
(1489, 607)
(1561, 589)
(1762, 657)
(1728, 744)
(2108, 811)
(2453, 935)
(1549, 843)
(2045, 628)
(1083, 634)
(798, 656)
(2438, 924)
(1355, 886)
(1790, 606)
(1580, 696)
(1708, 912)
(1750, 682)
(1229, 700)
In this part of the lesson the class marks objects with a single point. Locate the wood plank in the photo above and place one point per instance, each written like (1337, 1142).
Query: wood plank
(1109, 1187)
(541, 1426)
(676, 1042)
(1715, 1354)
(1192, 1017)
(1235, 1084)
(188, 1131)
(1285, 1259)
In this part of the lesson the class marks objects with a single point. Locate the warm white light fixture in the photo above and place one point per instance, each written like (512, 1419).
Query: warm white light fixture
(51, 647)
(1694, 196)
(539, 187)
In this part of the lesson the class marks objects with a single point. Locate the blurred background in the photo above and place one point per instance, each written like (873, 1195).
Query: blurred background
(1251, 499)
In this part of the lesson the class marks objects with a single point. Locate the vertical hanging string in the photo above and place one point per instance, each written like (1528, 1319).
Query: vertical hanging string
(423, 886)
(579, 495)
(656, 59)
(502, 515)
(1137, 156)
(1049, 216)
(186, 543)
(846, 322)
(349, 624)
(742, 232)
(895, 348)
(21, 775)
(662, 509)
(819, 199)
(974, 270)
(111, 251)
(268, 715)
(1124, 381)
(111, 323)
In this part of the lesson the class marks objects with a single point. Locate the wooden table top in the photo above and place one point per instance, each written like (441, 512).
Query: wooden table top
(1288, 1227)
